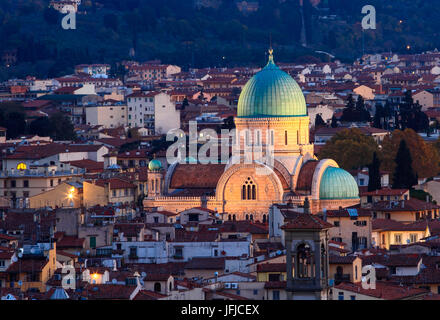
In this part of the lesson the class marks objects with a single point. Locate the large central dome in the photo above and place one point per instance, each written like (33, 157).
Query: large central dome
(271, 93)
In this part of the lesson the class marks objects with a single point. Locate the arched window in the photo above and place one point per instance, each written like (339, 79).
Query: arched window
(264, 218)
(303, 260)
(247, 217)
(229, 217)
(157, 287)
(233, 217)
(249, 190)
(251, 217)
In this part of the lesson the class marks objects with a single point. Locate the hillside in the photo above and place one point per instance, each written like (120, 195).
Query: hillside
(181, 33)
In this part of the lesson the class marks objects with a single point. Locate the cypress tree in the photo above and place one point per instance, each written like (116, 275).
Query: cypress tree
(334, 123)
(404, 176)
(319, 122)
(374, 174)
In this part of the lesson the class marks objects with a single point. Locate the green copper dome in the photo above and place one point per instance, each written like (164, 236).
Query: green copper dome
(337, 183)
(271, 93)
(154, 165)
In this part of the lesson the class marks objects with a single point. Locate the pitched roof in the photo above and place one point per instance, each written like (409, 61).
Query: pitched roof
(196, 176)
(296, 220)
(384, 290)
(115, 183)
(109, 291)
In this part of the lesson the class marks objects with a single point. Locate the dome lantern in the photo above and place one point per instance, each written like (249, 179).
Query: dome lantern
(271, 93)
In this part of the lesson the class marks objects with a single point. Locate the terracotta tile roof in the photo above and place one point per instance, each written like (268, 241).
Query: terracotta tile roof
(148, 295)
(67, 242)
(138, 154)
(167, 213)
(392, 225)
(404, 205)
(129, 229)
(228, 295)
(297, 220)
(385, 192)
(157, 277)
(425, 276)
(50, 149)
(333, 259)
(108, 292)
(27, 265)
(89, 165)
(66, 254)
(6, 253)
(7, 237)
(384, 290)
(344, 213)
(115, 142)
(17, 219)
(196, 176)
(115, 183)
(271, 267)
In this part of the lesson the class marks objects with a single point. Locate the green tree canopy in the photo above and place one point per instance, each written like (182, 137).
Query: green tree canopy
(350, 148)
(426, 159)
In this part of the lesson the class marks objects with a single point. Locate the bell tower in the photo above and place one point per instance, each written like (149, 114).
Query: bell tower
(307, 260)
(155, 178)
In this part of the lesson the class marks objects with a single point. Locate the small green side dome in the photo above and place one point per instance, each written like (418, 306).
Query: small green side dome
(271, 93)
(337, 183)
(154, 165)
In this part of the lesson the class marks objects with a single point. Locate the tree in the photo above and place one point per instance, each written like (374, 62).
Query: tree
(374, 174)
(63, 128)
(13, 119)
(355, 112)
(378, 115)
(334, 123)
(404, 176)
(350, 148)
(319, 122)
(411, 115)
(42, 127)
(426, 158)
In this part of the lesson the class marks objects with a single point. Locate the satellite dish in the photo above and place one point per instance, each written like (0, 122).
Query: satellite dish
(144, 274)
(20, 254)
(14, 259)
(32, 250)
(114, 281)
(20, 283)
